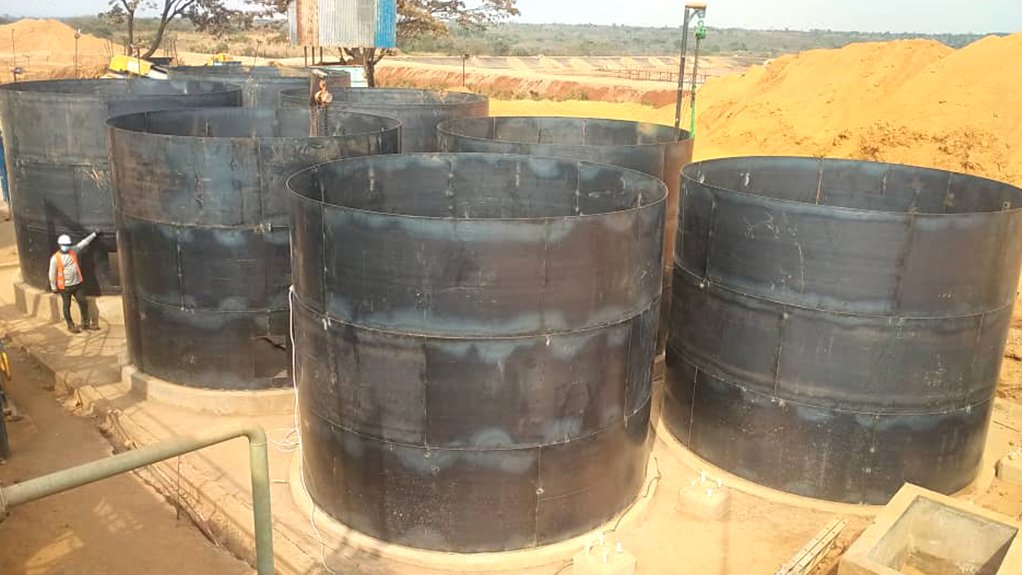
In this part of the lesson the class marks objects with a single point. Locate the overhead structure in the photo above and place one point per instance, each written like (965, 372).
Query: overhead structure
(419, 111)
(261, 85)
(202, 224)
(58, 168)
(343, 23)
(659, 151)
(482, 381)
(838, 326)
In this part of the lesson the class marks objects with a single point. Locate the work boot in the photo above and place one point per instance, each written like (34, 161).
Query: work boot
(92, 327)
(73, 328)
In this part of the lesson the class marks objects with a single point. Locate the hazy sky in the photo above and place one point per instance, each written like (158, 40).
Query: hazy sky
(978, 16)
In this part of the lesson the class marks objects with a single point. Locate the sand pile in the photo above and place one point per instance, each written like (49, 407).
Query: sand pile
(917, 102)
(37, 36)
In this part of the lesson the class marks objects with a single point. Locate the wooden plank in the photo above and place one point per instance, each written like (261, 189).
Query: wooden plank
(809, 556)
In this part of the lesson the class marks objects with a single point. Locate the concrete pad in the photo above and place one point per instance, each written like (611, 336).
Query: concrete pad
(211, 401)
(47, 305)
(1009, 468)
(923, 532)
(706, 498)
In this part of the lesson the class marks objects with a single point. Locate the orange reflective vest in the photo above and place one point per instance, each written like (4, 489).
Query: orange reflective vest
(60, 266)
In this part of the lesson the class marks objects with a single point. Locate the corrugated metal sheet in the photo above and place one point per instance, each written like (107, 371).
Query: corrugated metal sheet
(347, 23)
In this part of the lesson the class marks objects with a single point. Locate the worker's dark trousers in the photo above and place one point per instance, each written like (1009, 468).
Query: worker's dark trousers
(74, 291)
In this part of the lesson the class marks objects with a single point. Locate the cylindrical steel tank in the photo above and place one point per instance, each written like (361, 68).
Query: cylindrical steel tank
(837, 326)
(56, 138)
(261, 85)
(474, 336)
(202, 225)
(418, 110)
(659, 151)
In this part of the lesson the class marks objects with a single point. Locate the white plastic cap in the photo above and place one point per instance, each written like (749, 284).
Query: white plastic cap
(64, 240)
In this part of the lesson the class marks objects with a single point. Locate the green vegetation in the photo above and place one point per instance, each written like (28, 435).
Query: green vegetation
(591, 40)
(532, 39)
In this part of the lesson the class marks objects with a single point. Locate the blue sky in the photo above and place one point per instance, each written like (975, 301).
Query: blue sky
(930, 16)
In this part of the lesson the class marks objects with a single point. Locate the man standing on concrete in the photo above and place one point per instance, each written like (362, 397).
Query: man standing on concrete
(66, 279)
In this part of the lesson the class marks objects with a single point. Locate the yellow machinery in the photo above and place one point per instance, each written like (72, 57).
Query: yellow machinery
(219, 59)
(123, 65)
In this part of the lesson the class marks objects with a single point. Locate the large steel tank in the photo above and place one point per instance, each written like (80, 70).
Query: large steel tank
(657, 150)
(55, 133)
(474, 336)
(418, 110)
(202, 224)
(838, 326)
(261, 85)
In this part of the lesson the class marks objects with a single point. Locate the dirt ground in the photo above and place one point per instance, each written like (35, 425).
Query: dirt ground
(115, 527)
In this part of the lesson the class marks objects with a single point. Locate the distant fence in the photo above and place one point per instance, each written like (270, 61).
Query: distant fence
(652, 75)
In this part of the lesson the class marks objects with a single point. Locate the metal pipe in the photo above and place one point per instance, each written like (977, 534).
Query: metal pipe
(681, 68)
(85, 474)
(692, 91)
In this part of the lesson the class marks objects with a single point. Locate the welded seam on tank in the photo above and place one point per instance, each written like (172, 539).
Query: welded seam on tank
(143, 297)
(180, 273)
(252, 227)
(902, 259)
(589, 487)
(450, 128)
(639, 206)
(868, 470)
(731, 381)
(49, 162)
(617, 425)
(825, 208)
(711, 225)
(976, 356)
(482, 337)
(48, 230)
(778, 351)
(706, 283)
(146, 137)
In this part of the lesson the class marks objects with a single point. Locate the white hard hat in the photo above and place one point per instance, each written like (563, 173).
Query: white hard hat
(64, 240)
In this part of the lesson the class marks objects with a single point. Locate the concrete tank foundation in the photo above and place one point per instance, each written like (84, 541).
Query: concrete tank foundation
(212, 401)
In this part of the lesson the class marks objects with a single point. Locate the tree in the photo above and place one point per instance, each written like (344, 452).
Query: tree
(122, 11)
(417, 18)
(211, 16)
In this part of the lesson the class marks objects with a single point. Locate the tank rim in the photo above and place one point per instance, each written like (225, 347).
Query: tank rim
(464, 98)
(207, 87)
(114, 124)
(687, 176)
(446, 128)
(661, 188)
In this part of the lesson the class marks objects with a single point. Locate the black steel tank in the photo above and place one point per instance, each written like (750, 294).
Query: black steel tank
(202, 225)
(657, 150)
(418, 110)
(838, 326)
(474, 336)
(56, 139)
(261, 85)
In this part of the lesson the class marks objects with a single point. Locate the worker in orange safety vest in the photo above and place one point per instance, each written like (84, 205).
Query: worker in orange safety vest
(66, 279)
